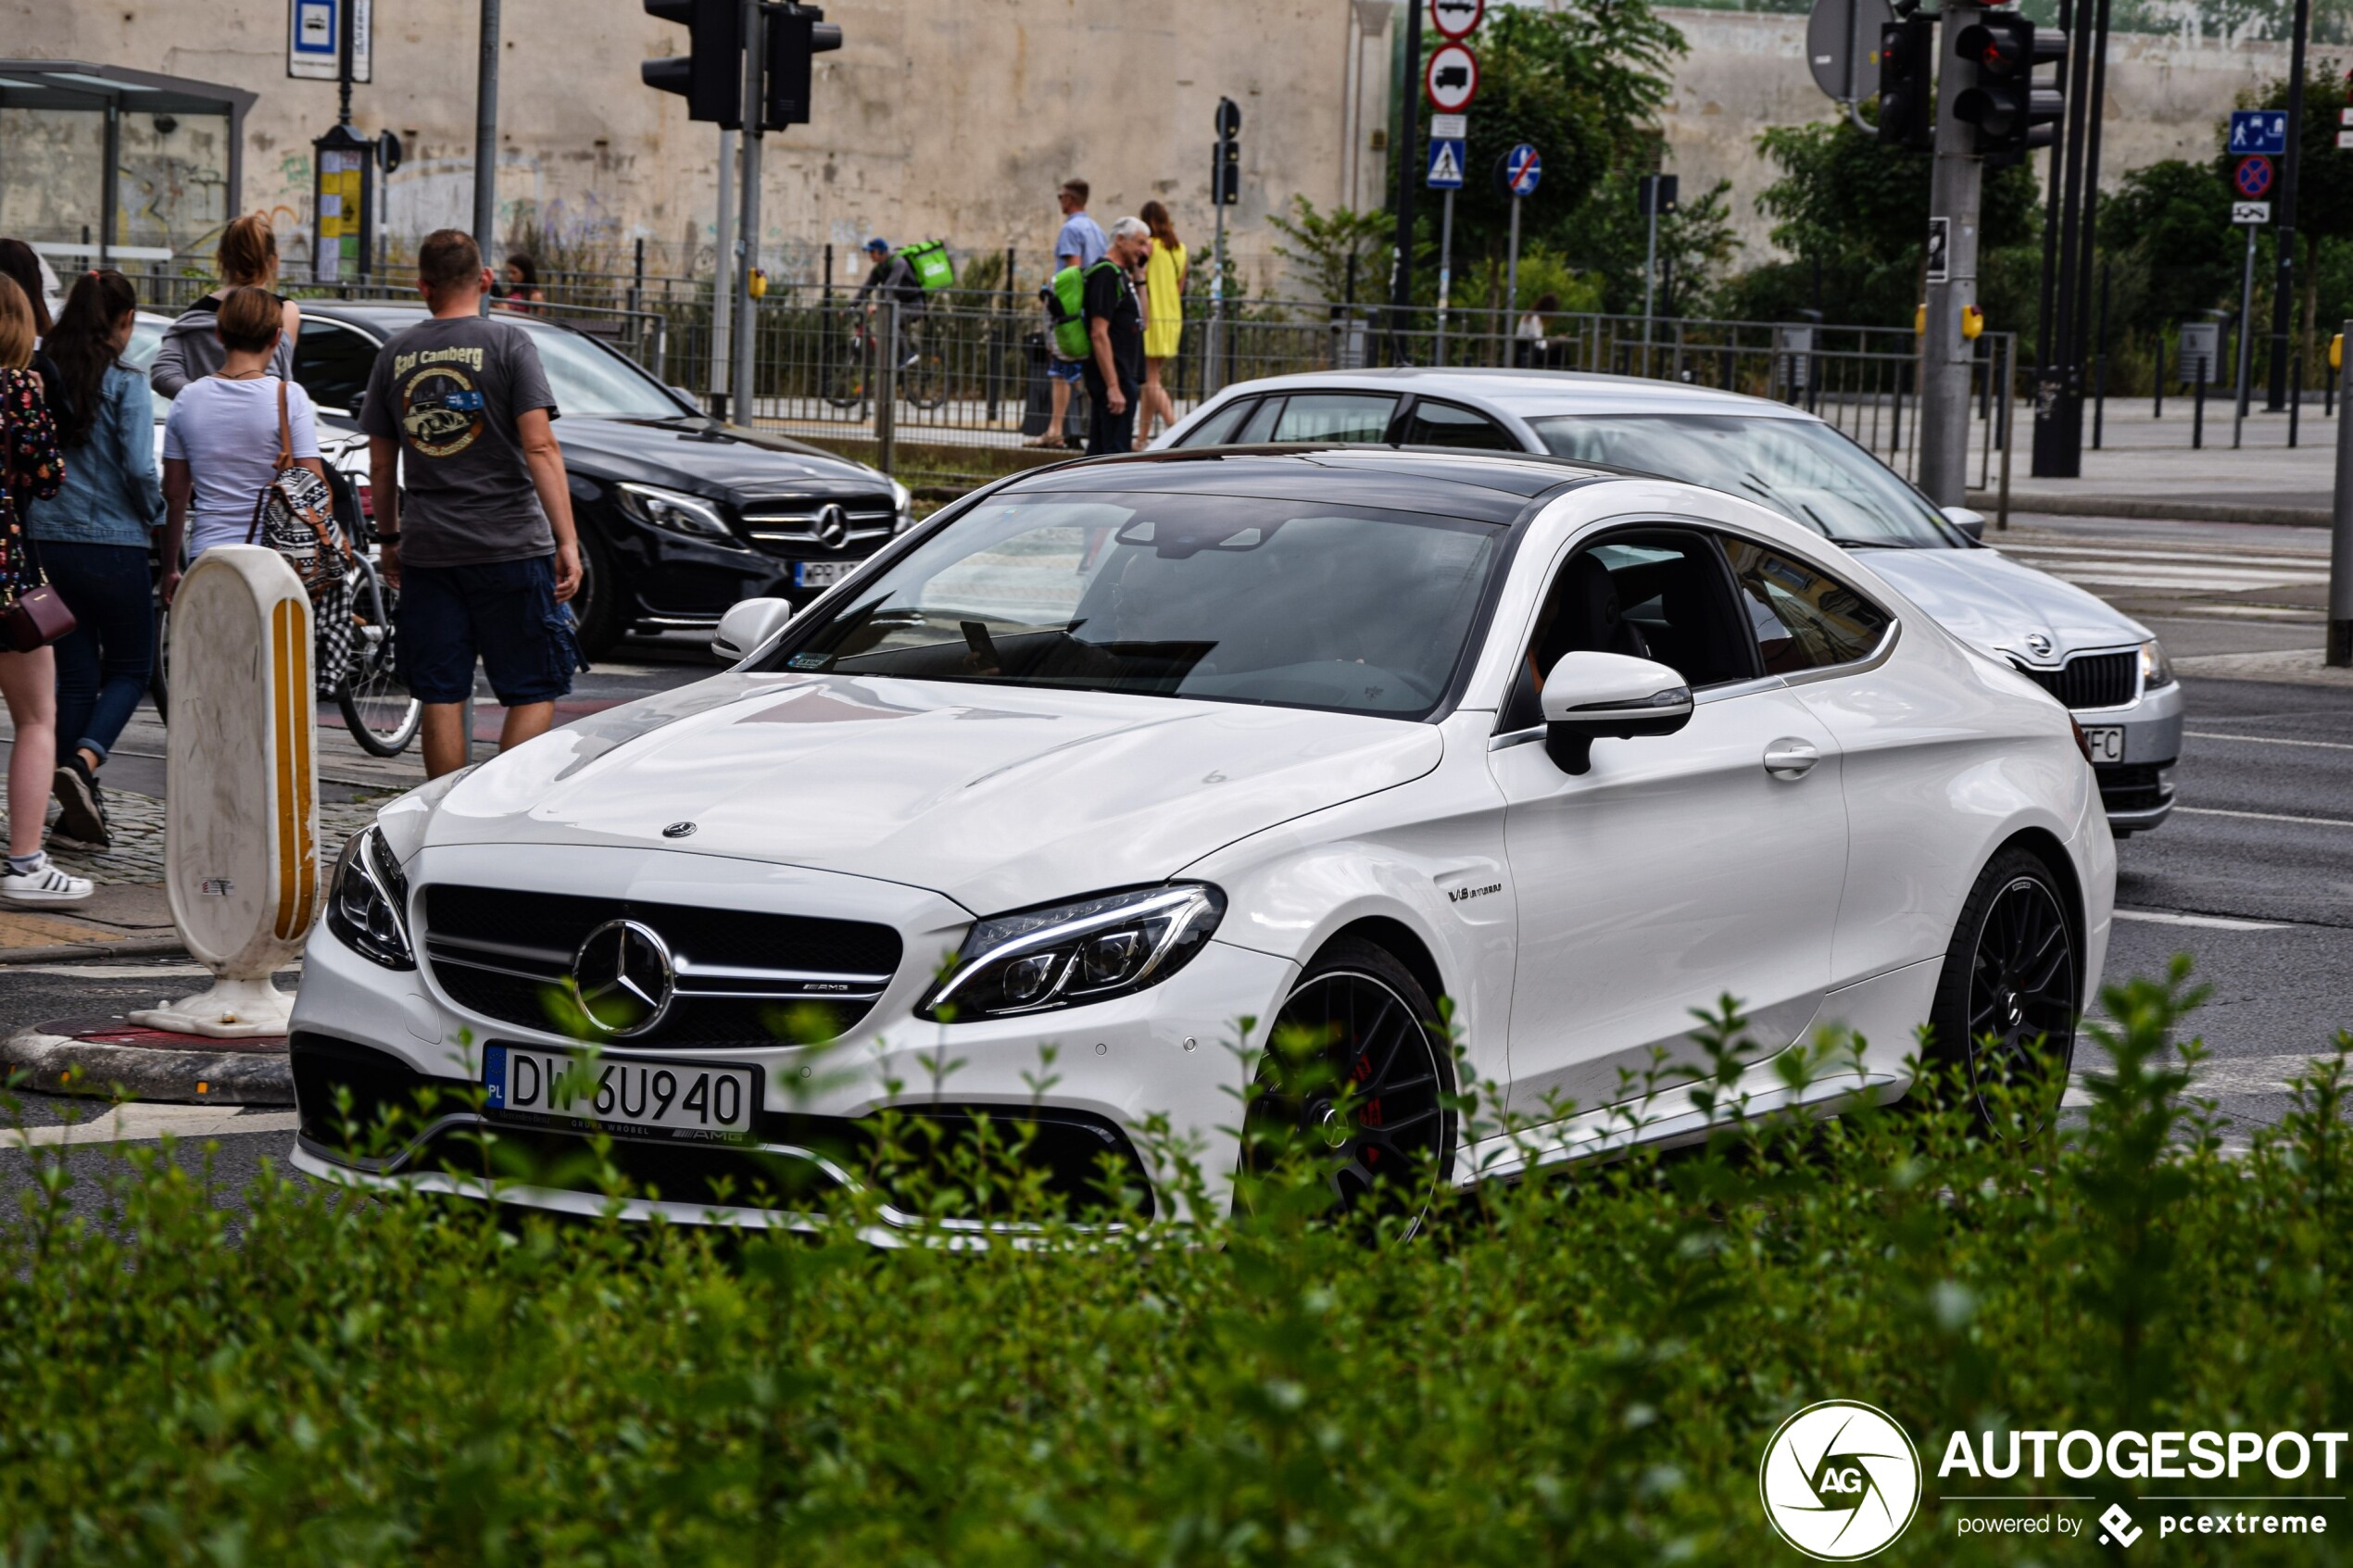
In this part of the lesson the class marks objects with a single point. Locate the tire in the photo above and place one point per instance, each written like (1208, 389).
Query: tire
(2010, 994)
(1395, 1152)
(927, 381)
(845, 375)
(601, 606)
(377, 707)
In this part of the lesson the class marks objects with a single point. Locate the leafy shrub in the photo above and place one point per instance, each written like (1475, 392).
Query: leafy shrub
(1581, 1366)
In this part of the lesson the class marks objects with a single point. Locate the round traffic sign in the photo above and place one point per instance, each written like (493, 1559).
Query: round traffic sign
(1451, 80)
(2252, 177)
(1522, 168)
(1456, 18)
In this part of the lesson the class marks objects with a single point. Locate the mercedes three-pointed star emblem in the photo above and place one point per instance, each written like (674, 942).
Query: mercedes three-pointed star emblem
(833, 526)
(622, 978)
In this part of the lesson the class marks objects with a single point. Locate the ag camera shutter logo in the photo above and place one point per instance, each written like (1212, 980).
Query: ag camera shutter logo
(1840, 1480)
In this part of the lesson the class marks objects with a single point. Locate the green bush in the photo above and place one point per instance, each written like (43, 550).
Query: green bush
(1582, 1367)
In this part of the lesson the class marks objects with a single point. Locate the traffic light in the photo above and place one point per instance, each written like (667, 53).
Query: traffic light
(796, 33)
(2012, 114)
(1225, 157)
(1908, 83)
(710, 77)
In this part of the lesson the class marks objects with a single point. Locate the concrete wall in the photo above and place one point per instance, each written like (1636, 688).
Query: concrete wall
(1746, 73)
(956, 119)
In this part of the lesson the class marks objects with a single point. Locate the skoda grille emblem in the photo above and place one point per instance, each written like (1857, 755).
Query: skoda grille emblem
(2038, 645)
(833, 526)
(679, 830)
(622, 979)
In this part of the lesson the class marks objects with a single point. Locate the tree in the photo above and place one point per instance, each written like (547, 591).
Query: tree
(1329, 247)
(2167, 231)
(1695, 244)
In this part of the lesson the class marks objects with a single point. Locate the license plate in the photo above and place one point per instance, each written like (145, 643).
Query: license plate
(692, 1100)
(2106, 742)
(820, 573)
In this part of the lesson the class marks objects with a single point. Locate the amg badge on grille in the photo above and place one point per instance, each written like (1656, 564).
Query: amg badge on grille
(678, 830)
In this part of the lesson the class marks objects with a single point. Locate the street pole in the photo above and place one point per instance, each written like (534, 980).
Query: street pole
(1445, 269)
(747, 239)
(2340, 646)
(722, 279)
(1650, 279)
(1211, 379)
(2246, 337)
(2283, 302)
(1408, 164)
(1954, 182)
(486, 138)
(1510, 286)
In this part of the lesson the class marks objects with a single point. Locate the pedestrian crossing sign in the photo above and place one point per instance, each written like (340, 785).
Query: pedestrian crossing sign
(1445, 164)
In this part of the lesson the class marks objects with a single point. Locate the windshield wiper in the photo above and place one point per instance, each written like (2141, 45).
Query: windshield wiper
(1867, 543)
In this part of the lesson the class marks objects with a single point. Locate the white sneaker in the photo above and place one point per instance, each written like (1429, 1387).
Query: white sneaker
(45, 884)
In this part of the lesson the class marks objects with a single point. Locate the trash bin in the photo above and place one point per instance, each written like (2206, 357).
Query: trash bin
(1037, 409)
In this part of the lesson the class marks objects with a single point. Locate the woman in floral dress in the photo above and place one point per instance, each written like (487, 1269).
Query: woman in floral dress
(30, 471)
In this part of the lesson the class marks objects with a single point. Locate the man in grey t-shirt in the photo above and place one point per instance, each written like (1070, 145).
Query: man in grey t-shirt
(458, 415)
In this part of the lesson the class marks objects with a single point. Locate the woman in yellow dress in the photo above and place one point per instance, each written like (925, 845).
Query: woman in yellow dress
(1165, 321)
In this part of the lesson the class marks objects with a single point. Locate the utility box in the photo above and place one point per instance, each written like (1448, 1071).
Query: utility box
(344, 205)
(2201, 353)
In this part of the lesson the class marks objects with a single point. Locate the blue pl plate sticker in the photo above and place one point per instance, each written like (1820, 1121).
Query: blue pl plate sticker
(494, 1072)
(805, 662)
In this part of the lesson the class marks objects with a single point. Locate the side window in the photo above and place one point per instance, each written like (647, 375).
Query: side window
(1219, 428)
(1261, 423)
(1430, 423)
(1802, 619)
(1336, 416)
(332, 362)
(1656, 594)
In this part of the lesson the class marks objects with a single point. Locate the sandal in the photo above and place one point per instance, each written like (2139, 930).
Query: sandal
(1048, 443)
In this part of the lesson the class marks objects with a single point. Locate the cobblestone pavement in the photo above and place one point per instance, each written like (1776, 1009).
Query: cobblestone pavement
(137, 825)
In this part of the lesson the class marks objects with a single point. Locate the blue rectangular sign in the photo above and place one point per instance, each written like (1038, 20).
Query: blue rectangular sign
(1445, 165)
(2258, 131)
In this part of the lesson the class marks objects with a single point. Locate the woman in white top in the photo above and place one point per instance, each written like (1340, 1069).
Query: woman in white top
(220, 443)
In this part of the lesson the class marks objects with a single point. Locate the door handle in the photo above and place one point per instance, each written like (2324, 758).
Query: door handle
(1789, 758)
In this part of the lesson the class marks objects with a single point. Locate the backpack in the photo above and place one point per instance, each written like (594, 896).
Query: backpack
(933, 266)
(1067, 308)
(294, 515)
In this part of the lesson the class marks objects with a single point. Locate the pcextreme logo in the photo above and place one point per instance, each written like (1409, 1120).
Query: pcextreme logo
(1840, 1480)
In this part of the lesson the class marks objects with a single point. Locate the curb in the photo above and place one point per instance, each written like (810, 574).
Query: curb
(1987, 501)
(131, 948)
(199, 1075)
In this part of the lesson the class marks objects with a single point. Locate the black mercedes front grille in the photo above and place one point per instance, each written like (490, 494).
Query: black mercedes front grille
(2091, 679)
(796, 529)
(745, 978)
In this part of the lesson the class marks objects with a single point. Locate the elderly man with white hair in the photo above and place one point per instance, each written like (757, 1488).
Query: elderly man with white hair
(1114, 367)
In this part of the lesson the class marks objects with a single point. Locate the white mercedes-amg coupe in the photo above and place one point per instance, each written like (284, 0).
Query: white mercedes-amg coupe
(1113, 756)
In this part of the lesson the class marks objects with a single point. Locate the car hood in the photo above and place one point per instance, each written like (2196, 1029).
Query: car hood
(709, 458)
(997, 797)
(1992, 602)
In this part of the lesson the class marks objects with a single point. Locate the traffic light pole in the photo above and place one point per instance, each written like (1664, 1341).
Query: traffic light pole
(748, 224)
(1954, 187)
(722, 275)
(1408, 166)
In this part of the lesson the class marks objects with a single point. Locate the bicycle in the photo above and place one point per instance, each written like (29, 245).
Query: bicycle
(922, 374)
(377, 707)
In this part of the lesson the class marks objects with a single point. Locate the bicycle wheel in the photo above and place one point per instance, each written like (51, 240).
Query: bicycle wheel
(846, 377)
(377, 709)
(926, 381)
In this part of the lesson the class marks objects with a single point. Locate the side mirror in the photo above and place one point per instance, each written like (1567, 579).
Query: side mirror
(1589, 695)
(747, 625)
(1969, 522)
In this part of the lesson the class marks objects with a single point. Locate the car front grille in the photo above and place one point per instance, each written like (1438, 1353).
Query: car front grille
(2133, 786)
(796, 527)
(2091, 679)
(744, 978)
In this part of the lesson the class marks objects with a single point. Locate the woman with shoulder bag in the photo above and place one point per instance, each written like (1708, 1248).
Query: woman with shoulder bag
(222, 440)
(94, 539)
(30, 469)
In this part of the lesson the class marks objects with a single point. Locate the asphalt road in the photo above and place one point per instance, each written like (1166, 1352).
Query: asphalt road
(2253, 877)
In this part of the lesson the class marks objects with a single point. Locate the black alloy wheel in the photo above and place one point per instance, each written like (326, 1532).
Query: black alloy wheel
(1363, 1092)
(2007, 1000)
(599, 609)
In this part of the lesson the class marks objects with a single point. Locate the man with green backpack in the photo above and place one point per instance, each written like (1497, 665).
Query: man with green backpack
(1112, 319)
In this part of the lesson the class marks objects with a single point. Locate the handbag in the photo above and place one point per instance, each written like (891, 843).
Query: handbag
(39, 617)
(294, 515)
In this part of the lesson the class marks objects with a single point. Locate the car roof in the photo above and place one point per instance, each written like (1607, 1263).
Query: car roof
(384, 315)
(1487, 486)
(1530, 393)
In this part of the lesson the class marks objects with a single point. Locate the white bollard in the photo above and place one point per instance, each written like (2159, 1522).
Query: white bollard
(240, 824)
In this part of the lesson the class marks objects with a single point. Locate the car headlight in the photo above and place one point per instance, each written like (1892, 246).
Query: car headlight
(2155, 671)
(902, 501)
(368, 903)
(1073, 954)
(674, 511)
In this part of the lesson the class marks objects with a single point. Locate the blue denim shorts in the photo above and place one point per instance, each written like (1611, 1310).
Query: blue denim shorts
(1064, 370)
(505, 613)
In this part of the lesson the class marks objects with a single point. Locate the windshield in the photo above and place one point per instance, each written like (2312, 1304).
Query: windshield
(1807, 471)
(587, 380)
(1292, 603)
(139, 354)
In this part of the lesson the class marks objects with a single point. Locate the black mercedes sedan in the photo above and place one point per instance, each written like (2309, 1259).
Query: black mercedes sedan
(680, 516)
